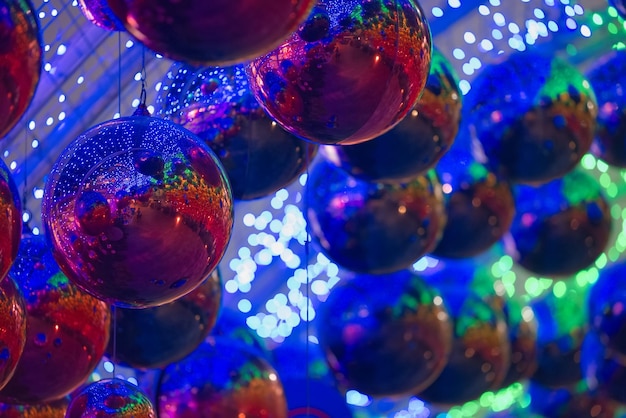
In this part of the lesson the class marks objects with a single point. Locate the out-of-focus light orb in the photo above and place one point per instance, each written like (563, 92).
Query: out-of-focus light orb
(417, 143)
(574, 402)
(351, 72)
(216, 104)
(480, 353)
(99, 13)
(320, 399)
(232, 326)
(373, 227)
(561, 328)
(111, 398)
(211, 33)
(606, 78)
(532, 116)
(620, 6)
(67, 330)
(221, 380)
(12, 330)
(155, 337)
(139, 211)
(385, 335)
(604, 373)
(560, 227)
(20, 60)
(479, 205)
(54, 409)
(607, 307)
(10, 220)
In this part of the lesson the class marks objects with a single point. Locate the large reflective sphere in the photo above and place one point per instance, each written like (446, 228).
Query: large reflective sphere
(217, 32)
(373, 227)
(99, 13)
(480, 350)
(385, 335)
(12, 329)
(221, 380)
(67, 330)
(417, 143)
(139, 211)
(54, 409)
(155, 337)
(20, 60)
(561, 328)
(217, 105)
(560, 227)
(534, 117)
(607, 81)
(603, 372)
(110, 398)
(351, 72)
(479, 205)
(10, 220)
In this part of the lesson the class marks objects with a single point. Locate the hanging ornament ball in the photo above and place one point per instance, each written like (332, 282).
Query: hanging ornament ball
(99, 13)
(606, 79)
(533, 117)
(603, 372)
(417, 143)
(561, 328)
(20, 60)
(10, 216)
(560, 227)
(620, 6)
(606, 303)
(479, 359)
(155, 337)
(66, 329)
(54, 409)
(385, 335)
(221, 380)
(12, 330)
(351, 72)
(111, 398)
(139, 211)
(216, 104)
(479, 206)
(219, 32)
(373, 228)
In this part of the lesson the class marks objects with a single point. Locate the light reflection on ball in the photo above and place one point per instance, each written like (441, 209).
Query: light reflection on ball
(10, 220)
(12, 329)
(385, 335)
(217, 105)
(110, 398)
(217, 32)
(139, 211)
(99, 13)
(221, 379)
(351, 72)
(533, 117)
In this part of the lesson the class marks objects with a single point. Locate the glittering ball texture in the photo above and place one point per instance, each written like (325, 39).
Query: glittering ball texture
(67, 330)
(20, 60)
(385, 343)
(351, 72)
(606, 300)
(55, 409)
(417, 143)
(571, 214)
(99, 13)
(155, 337)
(114, 398)
(217, 32)
(221, 379)
(13, 329)
(373, 228)
(532, 117)
(139, 211)
(10, 220)
(217, 105)
(606, 78)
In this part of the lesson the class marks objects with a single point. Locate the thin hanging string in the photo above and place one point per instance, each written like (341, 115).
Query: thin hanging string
(119, 73)
(25, 191)
(143, 96)
(307, 257)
